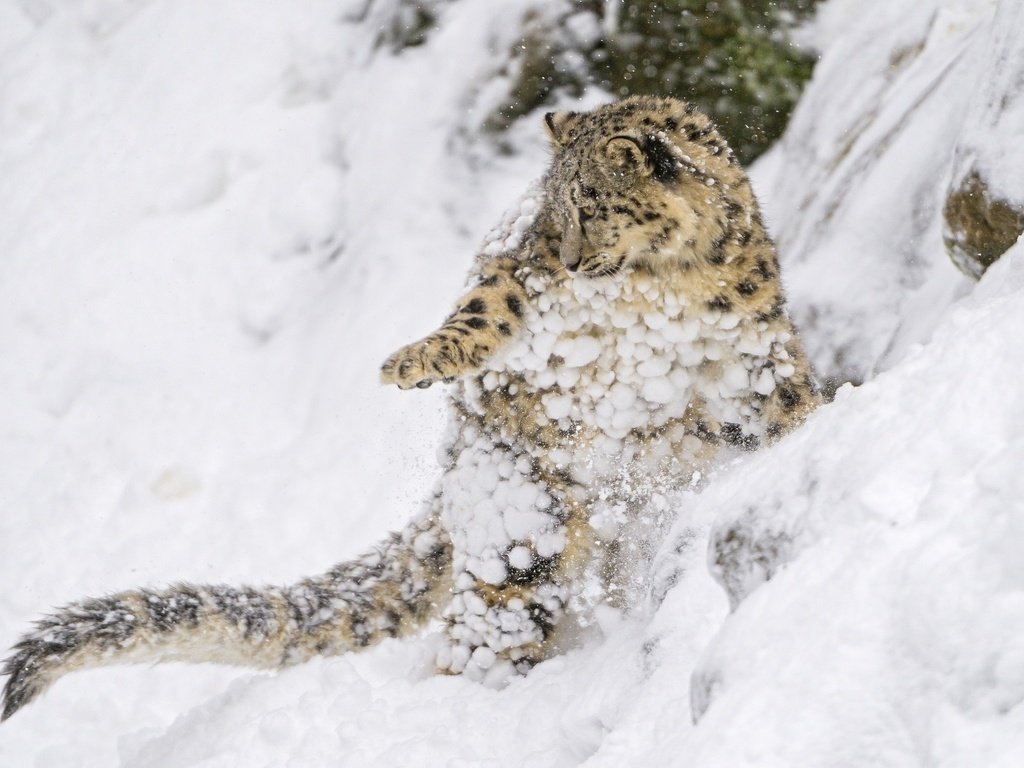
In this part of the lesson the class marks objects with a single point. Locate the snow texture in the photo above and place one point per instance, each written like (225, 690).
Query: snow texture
(857, 185)
(219, 218)
(990, 137)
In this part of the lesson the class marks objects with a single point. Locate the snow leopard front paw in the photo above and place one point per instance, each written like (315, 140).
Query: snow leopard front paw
(423, 363)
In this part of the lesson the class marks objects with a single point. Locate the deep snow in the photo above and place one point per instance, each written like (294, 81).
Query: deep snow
(219, 218)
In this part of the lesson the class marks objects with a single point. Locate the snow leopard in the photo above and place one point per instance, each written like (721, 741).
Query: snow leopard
(622, 331)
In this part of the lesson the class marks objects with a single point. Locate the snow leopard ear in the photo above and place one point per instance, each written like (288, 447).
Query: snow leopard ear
(649, 155)
(556, 125)
(625, 154)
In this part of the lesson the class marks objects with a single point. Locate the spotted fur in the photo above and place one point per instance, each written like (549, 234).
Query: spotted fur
(623, 330)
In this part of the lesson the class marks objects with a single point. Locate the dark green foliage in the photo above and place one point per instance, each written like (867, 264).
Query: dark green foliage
(409, 24)
(547, 58)
(732, 59)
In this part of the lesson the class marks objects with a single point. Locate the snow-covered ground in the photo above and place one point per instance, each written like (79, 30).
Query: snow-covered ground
(217, 219)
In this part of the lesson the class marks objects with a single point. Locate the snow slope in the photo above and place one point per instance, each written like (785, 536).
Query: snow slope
(893, 528)
(863, 171)
(218, 218)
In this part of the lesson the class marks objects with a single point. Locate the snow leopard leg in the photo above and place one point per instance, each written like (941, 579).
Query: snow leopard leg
(496, 629)
(484, 320)
(519, 544)
(388, 592)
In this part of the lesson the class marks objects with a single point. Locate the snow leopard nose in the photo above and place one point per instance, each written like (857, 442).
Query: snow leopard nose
(571, 248)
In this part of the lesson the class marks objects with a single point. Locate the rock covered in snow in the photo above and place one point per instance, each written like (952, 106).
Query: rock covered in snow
(984, 209)
(851, 189)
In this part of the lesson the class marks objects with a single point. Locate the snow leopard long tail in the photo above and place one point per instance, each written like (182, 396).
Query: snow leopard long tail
(388, 592)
